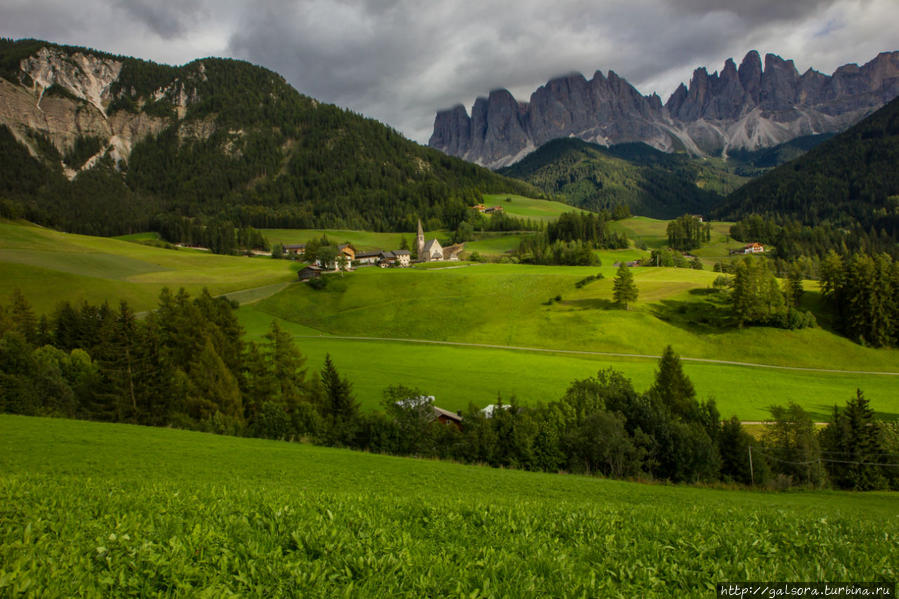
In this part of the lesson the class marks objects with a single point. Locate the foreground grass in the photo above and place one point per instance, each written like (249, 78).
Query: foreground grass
(110, 510)
(49, 266)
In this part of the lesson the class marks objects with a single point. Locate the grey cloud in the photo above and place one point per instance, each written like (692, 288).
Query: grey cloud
(401, 60)
(167, 19)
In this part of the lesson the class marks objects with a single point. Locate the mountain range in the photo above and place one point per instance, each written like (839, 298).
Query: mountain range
(743, 108)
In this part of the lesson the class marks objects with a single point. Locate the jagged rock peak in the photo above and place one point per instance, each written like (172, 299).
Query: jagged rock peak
(758, 104)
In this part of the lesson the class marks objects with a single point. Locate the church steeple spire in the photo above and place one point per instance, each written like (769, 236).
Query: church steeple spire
(420, 241)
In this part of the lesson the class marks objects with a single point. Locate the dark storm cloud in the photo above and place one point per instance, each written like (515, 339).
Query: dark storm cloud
(401, 60)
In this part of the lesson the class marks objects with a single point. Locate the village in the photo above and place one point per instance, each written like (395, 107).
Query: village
(346, 258)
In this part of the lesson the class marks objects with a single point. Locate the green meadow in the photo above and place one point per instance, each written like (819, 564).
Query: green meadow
(522, 207)
(92, 509)
(460, 375)
(653, 233)
(49, 266)
(509, 305)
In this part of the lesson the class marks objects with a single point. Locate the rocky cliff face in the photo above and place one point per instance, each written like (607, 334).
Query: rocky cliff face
(749, 107)
(62, 96)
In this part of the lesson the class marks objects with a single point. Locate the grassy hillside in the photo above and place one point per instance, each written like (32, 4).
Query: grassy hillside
(508, 305)
(49, 266)
(114, 509)
(523, 207)
(459, 375)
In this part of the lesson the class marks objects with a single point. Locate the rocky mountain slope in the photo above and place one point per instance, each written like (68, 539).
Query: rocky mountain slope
(741, 108)
(106, 144)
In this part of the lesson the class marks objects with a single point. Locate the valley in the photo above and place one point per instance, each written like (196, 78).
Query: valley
(471, 307)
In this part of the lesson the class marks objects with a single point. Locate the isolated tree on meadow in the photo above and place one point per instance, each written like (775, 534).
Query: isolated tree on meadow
(672, 386)
(624, 288)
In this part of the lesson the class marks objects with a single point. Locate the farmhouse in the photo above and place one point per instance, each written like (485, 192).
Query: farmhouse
(310, 272)
(494, 210)
(347, 250)
(447, 417)
(295, 249)
(439, 414)
(754, 248)
(368, 257)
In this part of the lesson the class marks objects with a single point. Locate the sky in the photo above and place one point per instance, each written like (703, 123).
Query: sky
(400, 61)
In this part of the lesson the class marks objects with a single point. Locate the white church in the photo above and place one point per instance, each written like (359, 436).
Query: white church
(432, 251)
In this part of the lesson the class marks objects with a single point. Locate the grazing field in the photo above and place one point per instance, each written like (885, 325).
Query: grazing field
(522, 207)
(111, 510)
(510, 305)
(49, 266)
(654, 234)
(459, 375)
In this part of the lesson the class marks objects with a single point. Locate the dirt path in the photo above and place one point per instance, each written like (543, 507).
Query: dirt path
(597, 353)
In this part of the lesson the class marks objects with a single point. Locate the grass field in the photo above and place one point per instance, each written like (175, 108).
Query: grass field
(509, 305)
(49, 266)
(653, 233)
(94, 509)
(522, 207)
(458, 375)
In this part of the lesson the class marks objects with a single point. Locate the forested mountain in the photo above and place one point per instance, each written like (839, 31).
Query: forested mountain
(849, 181)
(650, 182)
(104, 144)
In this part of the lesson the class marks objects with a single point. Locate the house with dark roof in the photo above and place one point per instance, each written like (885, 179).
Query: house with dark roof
(368, 257)
(310, 272)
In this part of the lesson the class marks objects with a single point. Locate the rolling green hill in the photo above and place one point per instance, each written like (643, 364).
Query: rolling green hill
(112, 510)
(848, 181)
(213, 139)
(49, 267)
(508, 306)
(648, 181)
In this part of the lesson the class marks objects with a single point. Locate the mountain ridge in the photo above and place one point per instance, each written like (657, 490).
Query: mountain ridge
(114, 144)
(745, 108)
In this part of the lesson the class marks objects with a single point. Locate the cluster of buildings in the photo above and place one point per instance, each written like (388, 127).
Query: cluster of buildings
(347, 257)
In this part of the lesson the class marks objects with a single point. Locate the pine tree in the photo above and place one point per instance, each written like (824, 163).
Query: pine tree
(673, 387)
(853, 441)
(339, 406)
(23, 316)
(624, 288)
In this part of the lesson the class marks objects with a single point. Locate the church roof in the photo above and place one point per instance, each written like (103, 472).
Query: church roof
(432, 244)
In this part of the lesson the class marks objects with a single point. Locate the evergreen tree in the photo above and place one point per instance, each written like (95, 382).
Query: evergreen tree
(212, 388)
(673, 387)
(339, 407)
(624, 288)
(793, 445)
(23, 317)
(853, 442)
